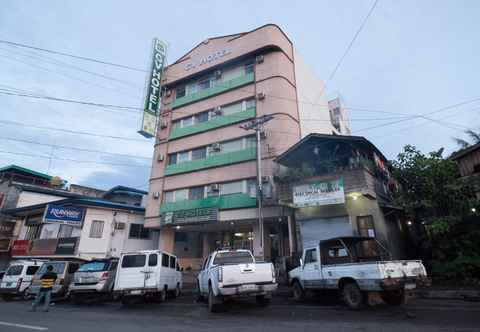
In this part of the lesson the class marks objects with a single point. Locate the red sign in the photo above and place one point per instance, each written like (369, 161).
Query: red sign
(20, 248)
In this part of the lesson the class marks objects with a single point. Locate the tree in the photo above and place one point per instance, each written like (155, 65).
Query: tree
(433, 194)
(474, 139)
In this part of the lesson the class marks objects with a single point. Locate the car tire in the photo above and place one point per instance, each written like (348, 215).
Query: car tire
(262, 300)
(393, 297)
(25, 296)
(298, 292)
(214, 303)
(163, 295)
(199, 296)
(176, 293)
(353, 296)
(7, 297)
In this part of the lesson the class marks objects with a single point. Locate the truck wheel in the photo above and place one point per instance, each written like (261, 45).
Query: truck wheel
(298, 292)
(262, 300)
(176, 292)
(393, 297)
(353, 296)
(163, 295)
(25, 296)
(214, 303)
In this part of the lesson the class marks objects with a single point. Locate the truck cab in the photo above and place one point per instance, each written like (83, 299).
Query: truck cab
(356, 266)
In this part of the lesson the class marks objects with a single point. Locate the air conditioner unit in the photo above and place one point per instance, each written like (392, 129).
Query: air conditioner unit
(259, 58)
(218, 73)
(119, 225)
(214, 187)
(163, 124)
(266, 179)
(160, 158)
(261, 95)
(215, 147)
(263, 134)
(156, 195)
(217, 111)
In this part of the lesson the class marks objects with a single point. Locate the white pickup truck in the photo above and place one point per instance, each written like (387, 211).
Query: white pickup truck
(356, 266)
(234, 273)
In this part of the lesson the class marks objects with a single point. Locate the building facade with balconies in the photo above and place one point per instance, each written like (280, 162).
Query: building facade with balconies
(202, 191)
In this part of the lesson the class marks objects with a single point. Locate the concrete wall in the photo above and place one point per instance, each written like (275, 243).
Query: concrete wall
(27, 198)
(312, 101)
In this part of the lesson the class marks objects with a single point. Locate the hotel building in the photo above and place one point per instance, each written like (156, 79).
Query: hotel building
(203, 183)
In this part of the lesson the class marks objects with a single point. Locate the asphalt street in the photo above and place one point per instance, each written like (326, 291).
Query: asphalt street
(183, 314)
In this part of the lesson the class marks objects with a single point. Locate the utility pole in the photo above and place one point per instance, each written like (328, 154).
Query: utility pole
(257, 125)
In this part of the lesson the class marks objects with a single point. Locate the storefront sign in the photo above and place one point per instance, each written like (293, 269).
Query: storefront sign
(190, 216)
(69, 215)
(44, 247)
(20, 248)
(4, 245)
(152, 96)
(66, 246)
(6, 229)
(209, 58)
(319, 193)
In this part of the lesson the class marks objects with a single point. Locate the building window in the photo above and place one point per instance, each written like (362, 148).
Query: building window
(201, 117)
(33, 232)
(65, 231)
(169, 197)
(196, 193)
(137, 231)
(231, 188)
(181, 195)
(183, 156)
(180, 92)
(96, 229)
(200, 153)
(187, 122)
(172, 159)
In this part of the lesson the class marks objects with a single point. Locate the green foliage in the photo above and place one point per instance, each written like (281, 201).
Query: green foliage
(296, 174)
(433, 193)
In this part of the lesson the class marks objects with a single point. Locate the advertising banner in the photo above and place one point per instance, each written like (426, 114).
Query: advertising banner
(20, 248)
(153, 90)
(66, 246)
(319, 193)
(69, 215)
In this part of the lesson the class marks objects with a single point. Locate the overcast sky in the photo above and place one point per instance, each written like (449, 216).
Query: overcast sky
(412, 57)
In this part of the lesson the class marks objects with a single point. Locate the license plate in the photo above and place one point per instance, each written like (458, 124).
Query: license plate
(410, 286)
(135, 292)
(249, 287)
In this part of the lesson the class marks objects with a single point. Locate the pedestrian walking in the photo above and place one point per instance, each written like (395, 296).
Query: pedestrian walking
(45, 293)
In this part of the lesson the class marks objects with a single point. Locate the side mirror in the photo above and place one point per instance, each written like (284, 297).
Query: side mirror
(301, 262)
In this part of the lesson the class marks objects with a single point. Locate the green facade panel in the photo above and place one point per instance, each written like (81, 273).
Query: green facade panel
(219, 121)
(220, 159)
(225, 202)
(220, 88)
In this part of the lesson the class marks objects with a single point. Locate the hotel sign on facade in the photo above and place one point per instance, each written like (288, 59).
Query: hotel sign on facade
(193, 216)
(69, 215)
(153, 90)
(319, 193)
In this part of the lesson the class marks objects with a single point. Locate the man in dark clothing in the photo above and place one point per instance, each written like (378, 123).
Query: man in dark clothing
(45, 293)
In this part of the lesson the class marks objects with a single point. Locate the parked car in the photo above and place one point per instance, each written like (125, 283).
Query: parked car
(356, 266)
(2, 273)
(94, 280)
(64, 270)
(18, 278)
(234, 273)
(147, 274)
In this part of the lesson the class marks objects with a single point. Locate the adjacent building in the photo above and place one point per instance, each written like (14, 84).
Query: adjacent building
(341, 186)
(203, 182)
(468, 161)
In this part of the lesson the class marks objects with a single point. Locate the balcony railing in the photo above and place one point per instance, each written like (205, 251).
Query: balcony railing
(217, 122)
(215, 90)
(223, 202)
(215, 160)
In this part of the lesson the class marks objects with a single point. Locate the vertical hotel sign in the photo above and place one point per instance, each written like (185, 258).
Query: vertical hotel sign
(152, 96)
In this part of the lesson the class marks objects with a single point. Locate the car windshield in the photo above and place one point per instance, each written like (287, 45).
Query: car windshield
(14, 270)
(58, 267)
(233, 257)
(94, 267)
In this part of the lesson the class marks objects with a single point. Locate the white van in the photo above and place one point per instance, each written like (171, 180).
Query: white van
(18, 278)
(147, 274)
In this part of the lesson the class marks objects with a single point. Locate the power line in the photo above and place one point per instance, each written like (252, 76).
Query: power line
(73, 56)
(56, 146)
(72, 160)
(14, 123)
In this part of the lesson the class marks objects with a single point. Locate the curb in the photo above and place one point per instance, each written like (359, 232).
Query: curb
(457, 294)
